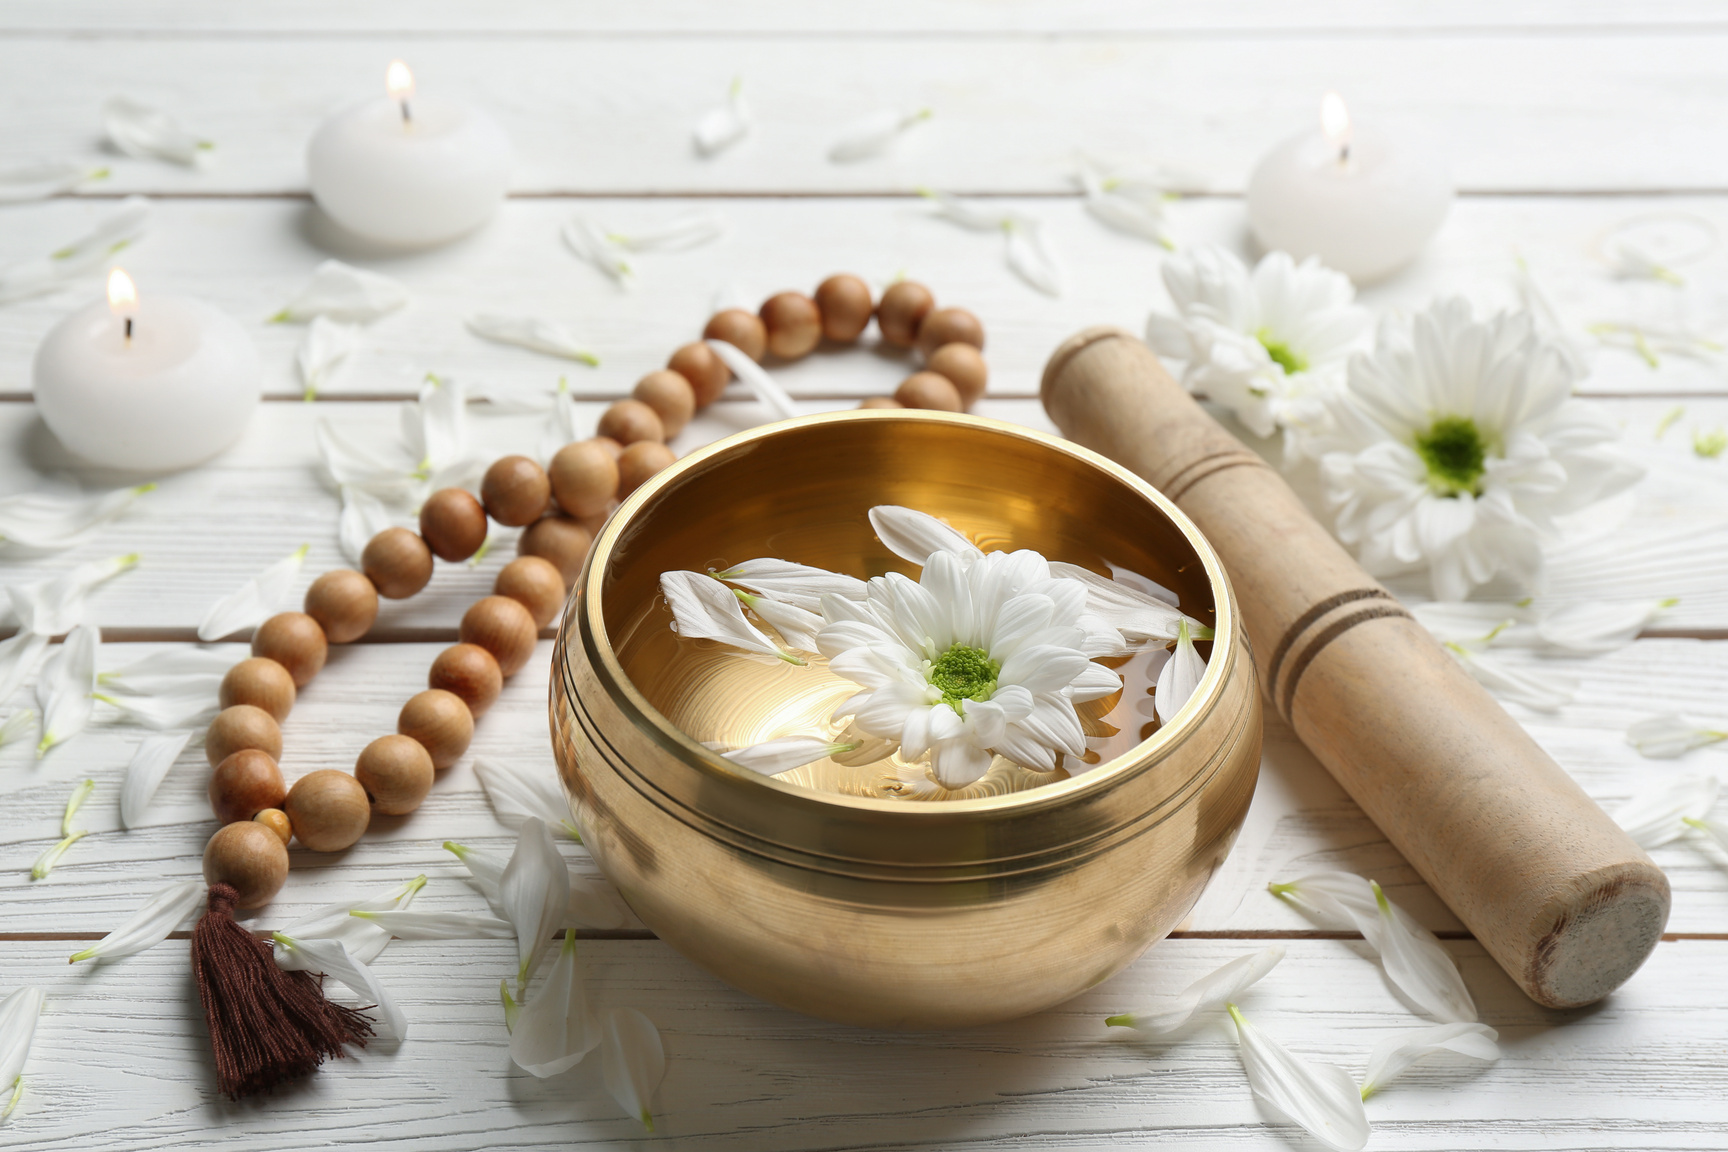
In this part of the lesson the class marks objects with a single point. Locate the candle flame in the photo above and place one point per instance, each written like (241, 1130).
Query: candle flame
(398, 80)
(122, 293)
(1335, 122)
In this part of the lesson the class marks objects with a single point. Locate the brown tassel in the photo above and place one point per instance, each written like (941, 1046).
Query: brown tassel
(266, 1025)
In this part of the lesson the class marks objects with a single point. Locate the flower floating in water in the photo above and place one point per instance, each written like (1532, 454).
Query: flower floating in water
(1457, 444)
(1269, 344)
(986, 654)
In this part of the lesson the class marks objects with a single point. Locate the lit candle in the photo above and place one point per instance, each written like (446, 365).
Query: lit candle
(1358, 199)
(409, 170)
(146, 385)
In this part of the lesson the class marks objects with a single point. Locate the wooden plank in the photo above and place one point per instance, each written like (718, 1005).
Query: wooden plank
(1010, 113)
(120, 1062)
(250, 257)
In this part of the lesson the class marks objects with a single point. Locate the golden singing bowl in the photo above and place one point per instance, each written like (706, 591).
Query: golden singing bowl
(822, 890)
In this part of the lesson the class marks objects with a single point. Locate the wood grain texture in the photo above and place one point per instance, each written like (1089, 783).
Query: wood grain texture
(120, 1062)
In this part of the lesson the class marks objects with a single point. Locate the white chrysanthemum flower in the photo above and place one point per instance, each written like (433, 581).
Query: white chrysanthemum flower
(1458, 443)
(1266, 344)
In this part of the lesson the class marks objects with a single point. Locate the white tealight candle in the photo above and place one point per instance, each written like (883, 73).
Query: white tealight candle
(1358, 199)
(409, 170)
(146, 385)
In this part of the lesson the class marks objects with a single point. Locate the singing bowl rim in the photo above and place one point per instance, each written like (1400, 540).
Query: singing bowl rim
(640, 712)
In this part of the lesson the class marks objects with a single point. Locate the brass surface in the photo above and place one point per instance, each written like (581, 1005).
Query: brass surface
(821, 892)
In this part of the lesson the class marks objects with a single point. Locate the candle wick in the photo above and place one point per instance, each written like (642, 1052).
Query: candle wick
(128, 330)
(407, 117)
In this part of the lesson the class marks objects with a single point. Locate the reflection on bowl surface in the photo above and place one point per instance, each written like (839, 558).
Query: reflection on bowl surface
(822, 889)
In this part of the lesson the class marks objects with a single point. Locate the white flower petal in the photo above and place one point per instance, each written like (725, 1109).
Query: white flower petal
(150, 925)
(140, 130)
(518, 793)
(45, 863)
(725, 125)
(797, 627)
(363, 517)
(326, 345)
(416, 925)
(590, 242)
(633, 1060)
(1394, 1054)
(50, 607)
(254, 601)
(796, 584)
(84, 255)
(596, 904)
(366, 939)
(1658, 815)
(872, 135)
(41, 179)
(43, 521)
(1180, 675)
(16, 725)
(535, 893)
(1031, 255)
(1212, 991)
(149, 765)
(343, 292)
(773, 757)
(704, 608)
(332, 958)
(1669, 735)
(486, 870)
(1321, 1098)
(1596, 627)
(684, 231)
(18, 1014)
(1548, 693)
(1135, 207)
(1414, 960)
(184, 701)
(1136, 614)
(436, 428)
(916, 536)
(752, 376)
(64, 691)
(19, 656)
(533, 333)
(556, 1029)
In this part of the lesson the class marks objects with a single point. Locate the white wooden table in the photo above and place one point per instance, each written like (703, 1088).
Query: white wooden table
(1561, 118)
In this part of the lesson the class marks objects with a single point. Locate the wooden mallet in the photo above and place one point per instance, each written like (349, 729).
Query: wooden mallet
(1552, 887)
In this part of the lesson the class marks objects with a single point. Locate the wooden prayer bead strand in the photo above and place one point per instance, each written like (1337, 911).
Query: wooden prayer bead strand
(794, 324)
(515, 491)
(295, 641)
(453, 524)
(670, 396)
(398, 563)
(344, 603)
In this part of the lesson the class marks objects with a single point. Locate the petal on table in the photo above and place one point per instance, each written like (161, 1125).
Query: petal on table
(724, 125)
(63, 692)
(686, 230)
(1321, 1098)
(486, 869)
(417, 925)
(84, 255)
(535, 893)
(533, 333)
(343, 292)
(751, 374)
(18, 1014)
(1031, 255)
(518, 793)
(19, 656)
(874, 134)
(1658, 815)
(50, 607)
(165, 911)
(41, 179)
(332, 958)
(1396, 1053)
(176, 705)
(146, 771)
(15, 726)
(366, 939)
(46, 521)
(254, 601)
(1663, 737)
(916, 536)
(363, 517)
(1211, 992)
(589, 242)
(326, 345)
(556, 1029)
(633, 1061)
(140, 130)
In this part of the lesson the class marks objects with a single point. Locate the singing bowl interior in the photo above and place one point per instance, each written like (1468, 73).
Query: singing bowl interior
(815, 891)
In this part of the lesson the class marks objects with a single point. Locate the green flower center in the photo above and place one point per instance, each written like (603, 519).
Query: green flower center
(1282, 354)
(963, 673)
(1455, 453)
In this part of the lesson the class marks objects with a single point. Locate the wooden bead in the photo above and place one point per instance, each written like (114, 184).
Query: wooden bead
(244, 784)
(928, 390)
(261, 682)
(560, 541)
(249, 856)
(950, 326)
(502, 627)
(964, 367)
(242, 726)
(396, 772)
(671, 397)
(397, 562)
(630, 422)
(344, 603)
(535, 583)
(453, 524)
(440, 723)
(639, 462)
(707, 373)
(611, 446)
(794, 324)
(277, 821)
(515, 491)
(584, 478)
(469, 672)
(328, 809)
(881, 402)
(845, 304)
(743, 330)
(293, 640)
(901, 310)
